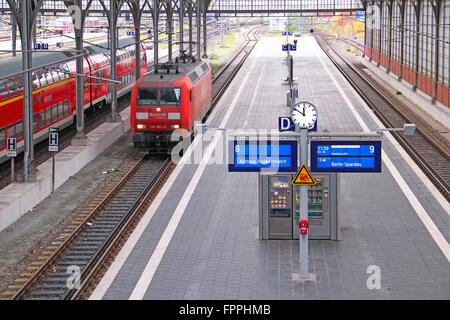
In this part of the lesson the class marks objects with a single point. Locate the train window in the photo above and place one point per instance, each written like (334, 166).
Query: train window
(3, 90)
(42, 78)
(66, 107)
(55, 113)
(60, 110)
(2, 137)
(35, 79)
(147, 96)
(170, 96)
(19, 129)
(48, 116)
(19, 83)
(11, 86)
(41, 119)
(86, 82)
(10, 131)
(48, 75)
(35, 122)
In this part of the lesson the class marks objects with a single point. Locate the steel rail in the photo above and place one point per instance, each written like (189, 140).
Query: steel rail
(430, 171)
(66, 243)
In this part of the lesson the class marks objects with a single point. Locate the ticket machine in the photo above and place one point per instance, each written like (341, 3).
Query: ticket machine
(280, 205)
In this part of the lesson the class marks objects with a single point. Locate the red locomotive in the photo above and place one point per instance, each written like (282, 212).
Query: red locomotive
(167, 101)
(54, 89)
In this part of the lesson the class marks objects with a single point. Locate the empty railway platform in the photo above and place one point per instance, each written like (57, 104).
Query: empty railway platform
(201, 238)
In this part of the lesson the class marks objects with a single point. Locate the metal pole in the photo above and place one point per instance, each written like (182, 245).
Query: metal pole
(53, 172)
(198, 22)
(27, 95)
(79, 96)
(137, 39)
(13, 34)
(303, 253)
(190, 13)
(155, 34)
(181, 25)
(169, 15)
(205, 54)
(113, 37)
(12, 168)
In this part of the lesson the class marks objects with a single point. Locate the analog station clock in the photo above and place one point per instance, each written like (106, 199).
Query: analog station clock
(304, 115)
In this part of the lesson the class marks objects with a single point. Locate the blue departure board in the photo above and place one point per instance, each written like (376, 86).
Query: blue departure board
(257, 155)
(346, 156)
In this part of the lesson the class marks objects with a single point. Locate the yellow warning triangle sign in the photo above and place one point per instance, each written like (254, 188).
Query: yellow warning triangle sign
(304, 177)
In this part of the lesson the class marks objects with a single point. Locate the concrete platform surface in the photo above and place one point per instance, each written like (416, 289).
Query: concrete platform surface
(199, 238)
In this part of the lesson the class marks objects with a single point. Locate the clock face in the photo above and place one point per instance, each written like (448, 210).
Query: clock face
(304, 115)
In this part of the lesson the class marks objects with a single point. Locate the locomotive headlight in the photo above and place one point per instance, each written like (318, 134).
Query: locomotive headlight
(158, 109)
(141, 126)
(176, 126)
(142, 115)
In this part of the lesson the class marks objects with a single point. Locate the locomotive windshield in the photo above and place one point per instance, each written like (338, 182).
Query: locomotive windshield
(146, 96)
(170, 96)
(167, 96)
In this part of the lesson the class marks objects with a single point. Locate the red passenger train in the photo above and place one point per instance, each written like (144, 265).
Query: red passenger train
(54, 89)
(164, 102)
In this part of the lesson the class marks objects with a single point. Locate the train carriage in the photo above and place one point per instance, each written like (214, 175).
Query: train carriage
(164, 102)
(54, 88)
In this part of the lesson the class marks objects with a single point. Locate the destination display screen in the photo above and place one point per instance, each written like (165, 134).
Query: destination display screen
(346, 156)
(254, 155)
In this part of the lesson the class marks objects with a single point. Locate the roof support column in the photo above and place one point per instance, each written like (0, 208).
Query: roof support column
(156, 33)
(181, 47)
(137, 28)
(390, 10)
(437, 12)
(205, 53)
(80, 138)
(198, 22)
(418, 46)
(29, 171)
(402, 40)
(13, 34)
(169, 15)
(115, 117)
(190, 13)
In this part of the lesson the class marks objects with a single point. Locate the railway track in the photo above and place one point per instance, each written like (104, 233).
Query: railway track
(68, 269)
(226, 74)
(427, 147)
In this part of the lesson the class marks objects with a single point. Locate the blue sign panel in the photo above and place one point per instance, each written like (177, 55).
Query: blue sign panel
(346, 156)
(360, 16)
(284, 33)
(257, 155)
(285, 47)
(293, 47)
(290, 33)
(286, 124)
